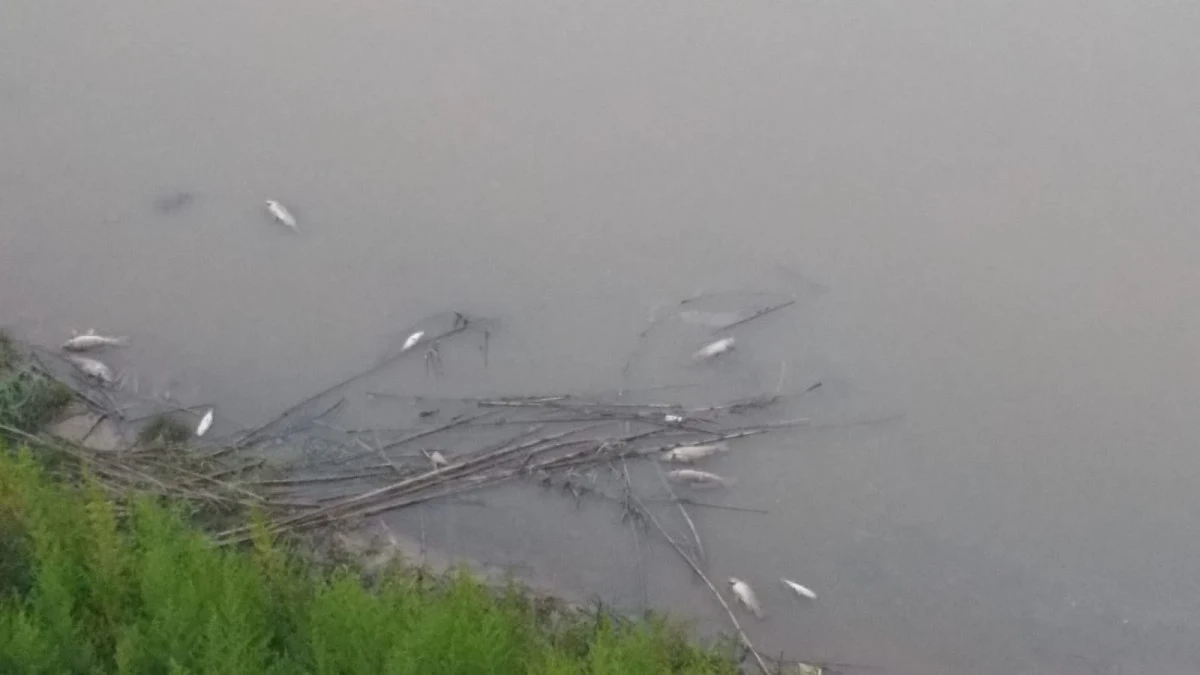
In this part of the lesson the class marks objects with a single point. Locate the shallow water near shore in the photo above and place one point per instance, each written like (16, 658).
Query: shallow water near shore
(986, 215)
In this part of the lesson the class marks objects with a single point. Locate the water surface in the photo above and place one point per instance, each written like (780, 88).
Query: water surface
(986, 210)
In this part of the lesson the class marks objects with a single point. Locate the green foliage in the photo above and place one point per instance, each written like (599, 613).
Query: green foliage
(28, 399)
(86, 587)
(8, 352)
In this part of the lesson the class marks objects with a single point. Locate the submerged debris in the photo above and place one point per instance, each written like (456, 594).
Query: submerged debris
(745, 595)
(173, 202)
(90, 340)
(714, 349)
(163, 429)
(281, 214)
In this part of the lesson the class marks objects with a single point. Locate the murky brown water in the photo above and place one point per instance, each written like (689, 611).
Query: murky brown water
(996, 204)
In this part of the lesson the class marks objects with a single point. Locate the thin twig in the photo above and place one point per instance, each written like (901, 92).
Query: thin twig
(340, 402)
(68, 382)
(756, 315)
(509, 448)
(23, 434)
(386, 459)
(429, 432)
(870, 421)
(662, 477)
(421, 498)
(99, 419)
(714, 437)
(309, 481)
(404, 492)
(637, 541)
(189, 409)
(540, 402)
(761, 401)
(708, 582)
(706, 505)
(154, 400)
(460, 325)
(421, 518)
(359, 502)
(253, 464)
(228, 486)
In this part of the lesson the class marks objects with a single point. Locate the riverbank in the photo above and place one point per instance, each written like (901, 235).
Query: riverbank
(93, 585)
(108, 565)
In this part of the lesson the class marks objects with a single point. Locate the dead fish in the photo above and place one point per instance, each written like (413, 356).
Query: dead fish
(697, 478)
(746, 596)
(800, 590)
(205, 423)
(437, 459)
(719, 347)
(412, 340)
(691, 453)
(93, 368)
(280, 213)
(89, 340)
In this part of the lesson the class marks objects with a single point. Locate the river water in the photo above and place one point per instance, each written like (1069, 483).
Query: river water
(986, 212)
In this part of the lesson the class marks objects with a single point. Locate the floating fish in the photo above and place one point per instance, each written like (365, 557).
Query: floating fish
(280, 213)
(716, 348)
(800, 590)
(412, 340)
(691, 453)
(205, 423)
(437, 459)
(698, 479)
(93, 368)
(746, 596)
(89, 340)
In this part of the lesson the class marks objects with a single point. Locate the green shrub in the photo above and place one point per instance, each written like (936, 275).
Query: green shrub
(86, 590)
(29, 400)
(8, 352)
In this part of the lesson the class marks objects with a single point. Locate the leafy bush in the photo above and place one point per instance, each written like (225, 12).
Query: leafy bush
(89, 586)
(29, 400)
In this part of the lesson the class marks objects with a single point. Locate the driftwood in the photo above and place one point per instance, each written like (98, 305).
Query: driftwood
(461, 324)
(603, 430)
(169, 475)
(757, 314)
(662, 477)
(737, 626)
